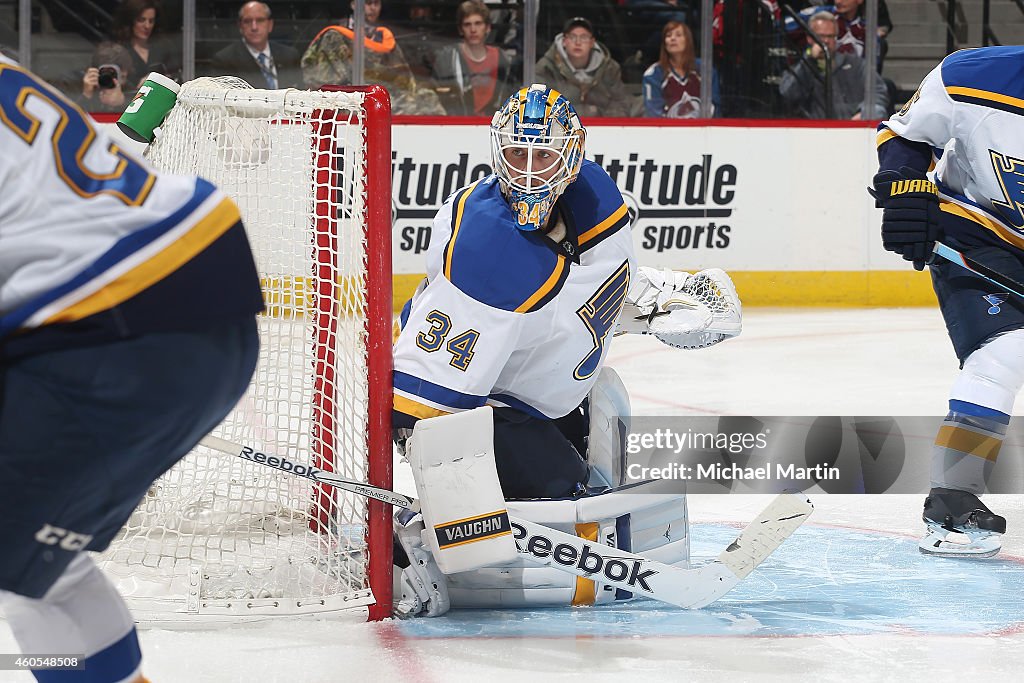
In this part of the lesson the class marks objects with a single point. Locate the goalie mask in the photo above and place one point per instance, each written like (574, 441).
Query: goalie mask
(536, 151)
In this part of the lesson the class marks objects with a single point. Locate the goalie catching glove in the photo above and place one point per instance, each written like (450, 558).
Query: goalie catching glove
(682, 310)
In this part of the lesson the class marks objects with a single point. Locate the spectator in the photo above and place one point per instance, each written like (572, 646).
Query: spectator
(421, 39)
(747, 41)
(104, 84)
(472, 77)
(328, 60)
(672, 86)
(583, 71)
(803, 85)
(852, 28)
(507, 33)
(264, 63)
(134, 25)
(648, 13)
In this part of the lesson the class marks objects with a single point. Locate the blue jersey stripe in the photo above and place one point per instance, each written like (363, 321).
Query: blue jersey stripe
(517, 404)
(122, 249)
(435, 393)
(967, 408)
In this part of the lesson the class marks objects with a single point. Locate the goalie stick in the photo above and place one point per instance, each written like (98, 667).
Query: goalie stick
(967, 263)
(683, 587)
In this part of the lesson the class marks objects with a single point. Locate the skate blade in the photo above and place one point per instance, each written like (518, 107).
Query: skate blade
(943, 543)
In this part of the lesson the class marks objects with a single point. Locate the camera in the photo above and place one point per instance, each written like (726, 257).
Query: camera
(110, 76)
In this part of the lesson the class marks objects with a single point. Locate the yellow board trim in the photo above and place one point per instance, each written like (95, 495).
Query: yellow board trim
(586, 589)
(832, 289)
(966, 441)
(418, 410)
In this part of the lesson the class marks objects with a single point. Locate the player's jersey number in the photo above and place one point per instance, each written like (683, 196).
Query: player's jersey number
(460, 346)
(72, 138)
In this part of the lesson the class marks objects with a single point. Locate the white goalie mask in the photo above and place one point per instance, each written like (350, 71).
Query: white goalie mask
(536, 150)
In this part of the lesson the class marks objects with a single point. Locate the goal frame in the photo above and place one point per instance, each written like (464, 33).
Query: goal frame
(378, 327)
(379, 323)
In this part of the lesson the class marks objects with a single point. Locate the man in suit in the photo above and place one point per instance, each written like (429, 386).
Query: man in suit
(264, 63)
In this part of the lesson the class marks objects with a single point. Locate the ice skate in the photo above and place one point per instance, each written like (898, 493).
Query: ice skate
(960, 525)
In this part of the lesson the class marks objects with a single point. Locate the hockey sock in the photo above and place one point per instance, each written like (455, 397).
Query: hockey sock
(82, 614)
(967, 446)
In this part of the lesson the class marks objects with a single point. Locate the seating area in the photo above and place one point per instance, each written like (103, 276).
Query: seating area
(64, 33)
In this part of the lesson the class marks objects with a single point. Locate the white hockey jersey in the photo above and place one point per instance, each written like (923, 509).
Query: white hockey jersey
(97, 245)
(970, 109)
(509, 318)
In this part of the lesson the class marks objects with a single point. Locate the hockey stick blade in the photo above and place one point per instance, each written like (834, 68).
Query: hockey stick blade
(689, 588)
(981, 270)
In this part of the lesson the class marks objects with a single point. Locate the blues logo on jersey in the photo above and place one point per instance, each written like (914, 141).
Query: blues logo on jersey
(995, 301)
(1010, 173)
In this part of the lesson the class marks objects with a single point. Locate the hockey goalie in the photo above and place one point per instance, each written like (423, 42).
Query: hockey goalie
(530, 274)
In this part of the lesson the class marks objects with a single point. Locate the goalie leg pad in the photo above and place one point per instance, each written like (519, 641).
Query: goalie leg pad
(423, 588)
(452, 459)
(653, 524)
(609, 412)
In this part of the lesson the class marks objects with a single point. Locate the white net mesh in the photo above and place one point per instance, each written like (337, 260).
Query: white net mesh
(714, 289)
(218, 535)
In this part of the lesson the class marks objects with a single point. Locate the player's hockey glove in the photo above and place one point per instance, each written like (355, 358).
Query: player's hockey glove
(910, 216)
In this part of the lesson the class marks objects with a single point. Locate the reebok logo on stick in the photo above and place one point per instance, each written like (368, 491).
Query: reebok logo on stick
(279, 462)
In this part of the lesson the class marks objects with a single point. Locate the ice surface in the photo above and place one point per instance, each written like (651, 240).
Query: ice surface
(847, 598)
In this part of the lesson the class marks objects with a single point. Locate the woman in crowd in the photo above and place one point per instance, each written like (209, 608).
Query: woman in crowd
(135, 24)
(671, 86)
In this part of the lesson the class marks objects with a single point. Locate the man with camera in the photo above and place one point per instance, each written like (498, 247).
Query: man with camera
(104, 83)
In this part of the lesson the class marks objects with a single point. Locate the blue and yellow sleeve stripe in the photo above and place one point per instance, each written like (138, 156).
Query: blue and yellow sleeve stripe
(133, 264)
(986, 98)
(593, 236)
(549, 290)
(458, 212)
(421, 399)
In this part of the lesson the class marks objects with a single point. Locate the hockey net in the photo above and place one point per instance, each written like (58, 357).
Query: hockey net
(218, 536)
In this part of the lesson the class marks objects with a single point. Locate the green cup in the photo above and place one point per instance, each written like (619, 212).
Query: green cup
(149, 108)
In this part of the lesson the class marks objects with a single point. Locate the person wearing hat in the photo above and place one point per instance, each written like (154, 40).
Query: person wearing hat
(581, 68)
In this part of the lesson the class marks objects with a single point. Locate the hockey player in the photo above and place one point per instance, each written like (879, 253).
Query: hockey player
(127, 332)
(950, 165)
(527, 272)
